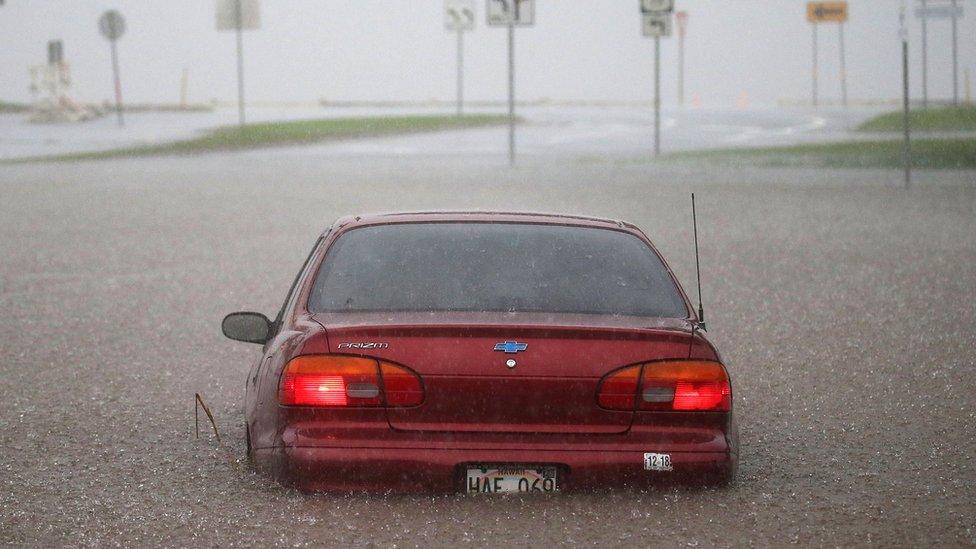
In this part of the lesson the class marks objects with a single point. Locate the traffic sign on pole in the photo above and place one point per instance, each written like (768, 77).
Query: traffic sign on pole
(238, 16)
(459, 18)
(511, 14)
(459, 15)
(952, 10)
(655, 23)
(657, 6)
(938, 11)
(828, 12)
(112, 26)
(502, 13)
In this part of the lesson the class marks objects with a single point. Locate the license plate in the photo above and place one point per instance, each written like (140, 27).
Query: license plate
(657, 462)
(511, 479)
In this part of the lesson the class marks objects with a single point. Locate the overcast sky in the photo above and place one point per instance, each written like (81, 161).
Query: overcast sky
(398, 49)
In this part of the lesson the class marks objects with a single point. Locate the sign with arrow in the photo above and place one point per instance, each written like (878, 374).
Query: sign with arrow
(657, 25)
(502, 13)
(459, 15)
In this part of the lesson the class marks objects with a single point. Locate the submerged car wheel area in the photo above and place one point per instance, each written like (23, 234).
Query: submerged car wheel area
(485, 352)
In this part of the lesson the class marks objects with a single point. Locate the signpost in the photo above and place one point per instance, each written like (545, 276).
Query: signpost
(459, 17)
(656, 22)
(945, 10)
(239, 15)
(510, 14)
(828, 12)
(906, 107)
(682, 19)
(112, 26)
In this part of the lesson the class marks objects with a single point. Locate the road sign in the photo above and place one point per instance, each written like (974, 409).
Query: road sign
(657, 25)
(939, 12)
(827, 12)
(112, 25)
(459, 15)
(502, 13)
(228, 16)
(657, 6)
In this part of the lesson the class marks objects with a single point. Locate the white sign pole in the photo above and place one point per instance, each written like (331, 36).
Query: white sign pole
(511, 85)
(112, 26)
(955, 55)
(925, 55)
(843, 65)
(657, 96)
(460, 71)
(906, 107)
(509, 14)
(118, 83)
(240, 61)
(459, 17)
(816, 68)
(656, 22)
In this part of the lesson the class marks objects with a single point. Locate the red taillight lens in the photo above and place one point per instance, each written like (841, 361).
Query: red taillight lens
(401, 386)
(325, 380)
(709, 395)
(684, 385)
(619, 389)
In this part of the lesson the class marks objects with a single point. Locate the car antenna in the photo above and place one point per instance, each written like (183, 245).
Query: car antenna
(694, 222)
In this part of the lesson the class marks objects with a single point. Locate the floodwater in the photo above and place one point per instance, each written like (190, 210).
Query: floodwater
(545, 130)
(841, 302)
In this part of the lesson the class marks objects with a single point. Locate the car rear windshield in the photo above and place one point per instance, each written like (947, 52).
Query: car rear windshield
(494, 267)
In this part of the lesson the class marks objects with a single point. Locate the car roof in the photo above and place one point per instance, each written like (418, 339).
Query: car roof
(475, 216)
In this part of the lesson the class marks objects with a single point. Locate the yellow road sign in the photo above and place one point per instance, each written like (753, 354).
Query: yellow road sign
(827, 12)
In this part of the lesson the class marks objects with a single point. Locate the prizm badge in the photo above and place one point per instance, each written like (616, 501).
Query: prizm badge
(511, 347)
(364, 345)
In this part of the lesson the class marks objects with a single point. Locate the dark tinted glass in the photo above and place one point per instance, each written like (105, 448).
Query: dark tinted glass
(494, 267)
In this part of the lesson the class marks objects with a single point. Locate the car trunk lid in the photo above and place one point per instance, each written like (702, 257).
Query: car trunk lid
(542, 378)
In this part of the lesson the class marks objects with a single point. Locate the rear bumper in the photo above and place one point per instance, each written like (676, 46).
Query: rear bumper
(442, 469)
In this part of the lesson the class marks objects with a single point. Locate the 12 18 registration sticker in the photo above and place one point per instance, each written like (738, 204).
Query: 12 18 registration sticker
(657, 462)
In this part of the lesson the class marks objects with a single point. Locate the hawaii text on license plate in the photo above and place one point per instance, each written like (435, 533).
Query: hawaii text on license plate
(511, 479)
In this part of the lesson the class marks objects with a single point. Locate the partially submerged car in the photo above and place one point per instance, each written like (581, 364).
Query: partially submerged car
(485, 352)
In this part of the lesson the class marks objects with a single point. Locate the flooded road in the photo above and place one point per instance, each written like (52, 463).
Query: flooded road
(842, 304)
(614, 130)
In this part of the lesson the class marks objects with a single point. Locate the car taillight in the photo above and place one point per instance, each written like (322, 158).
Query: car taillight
(618, 389)
(684, 385)
(328, 380)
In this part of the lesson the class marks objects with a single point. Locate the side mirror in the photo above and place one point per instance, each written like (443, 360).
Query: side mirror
(247, 327)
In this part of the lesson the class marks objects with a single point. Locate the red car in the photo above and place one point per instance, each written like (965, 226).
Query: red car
(485, 352)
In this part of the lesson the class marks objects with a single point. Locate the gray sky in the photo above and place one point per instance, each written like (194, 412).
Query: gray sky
(398, 49)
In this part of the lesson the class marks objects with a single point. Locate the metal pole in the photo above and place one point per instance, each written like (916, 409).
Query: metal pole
(955, 55)
(460, 71)
(843, 68)
(511, 92)
(681, 68)
(815, 68)
(118, 83)
(183, 87)
(240, 64)
(925, 55)
(657, 95)
(907, 149)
